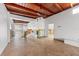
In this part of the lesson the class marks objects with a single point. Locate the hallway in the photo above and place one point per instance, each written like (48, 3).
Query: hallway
(39, 47)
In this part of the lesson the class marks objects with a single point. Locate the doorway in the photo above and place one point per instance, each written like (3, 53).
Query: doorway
(51, 31)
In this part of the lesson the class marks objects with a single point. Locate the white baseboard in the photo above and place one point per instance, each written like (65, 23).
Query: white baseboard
(1, 51)
(71, 42)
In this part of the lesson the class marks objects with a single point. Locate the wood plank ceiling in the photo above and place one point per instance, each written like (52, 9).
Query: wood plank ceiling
(35, 10)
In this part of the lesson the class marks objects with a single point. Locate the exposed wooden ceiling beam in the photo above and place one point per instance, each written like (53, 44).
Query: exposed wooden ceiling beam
(20, 21)
(43, 7)
(11, 8)
(19, 6)
(73, 4)
(59, 7)
(22, 15)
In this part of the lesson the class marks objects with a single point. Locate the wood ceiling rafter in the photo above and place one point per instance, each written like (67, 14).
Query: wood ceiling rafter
(43, 7)
(59, 7)
(29, 13)
(72, 4)
(24, 15)
(19, 6)
(18, 11)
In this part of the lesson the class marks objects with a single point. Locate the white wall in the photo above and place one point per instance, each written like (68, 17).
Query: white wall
(66, 24)
(46, 27)
(4, 27)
